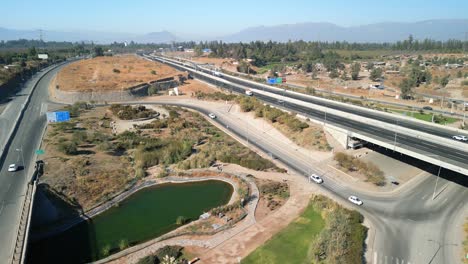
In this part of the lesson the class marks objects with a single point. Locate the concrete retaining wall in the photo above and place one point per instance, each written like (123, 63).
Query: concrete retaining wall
(338, 134)
(133, 93)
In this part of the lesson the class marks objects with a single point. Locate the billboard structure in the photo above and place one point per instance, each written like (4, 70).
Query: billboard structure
(54, 117)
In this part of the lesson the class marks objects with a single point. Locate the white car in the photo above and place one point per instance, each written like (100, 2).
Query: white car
(355, 200)
(212, 116)
(316, 178)
(12, 168)
(249, 93)
(460, 137)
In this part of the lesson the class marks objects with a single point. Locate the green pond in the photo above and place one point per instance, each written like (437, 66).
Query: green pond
(145, 215)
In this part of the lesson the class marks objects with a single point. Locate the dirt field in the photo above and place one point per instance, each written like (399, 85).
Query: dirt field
(110, 73)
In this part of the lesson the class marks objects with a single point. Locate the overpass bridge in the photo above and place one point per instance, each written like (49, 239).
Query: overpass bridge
(414, 138)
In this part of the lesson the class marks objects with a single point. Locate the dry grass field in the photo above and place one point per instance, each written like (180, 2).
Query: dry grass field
(111, 73)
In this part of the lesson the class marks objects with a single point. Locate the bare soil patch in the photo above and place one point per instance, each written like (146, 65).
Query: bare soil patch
(273, 195)
(111, 73)
(190, 87)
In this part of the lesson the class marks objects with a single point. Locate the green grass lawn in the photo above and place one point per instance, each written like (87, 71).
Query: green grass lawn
(427, 117)
(292, 244)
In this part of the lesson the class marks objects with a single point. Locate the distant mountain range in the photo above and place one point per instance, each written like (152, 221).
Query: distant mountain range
(88, 36)
(381, 32)
(442, 29)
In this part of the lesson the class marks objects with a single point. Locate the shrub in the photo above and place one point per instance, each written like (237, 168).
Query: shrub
(127, 112)
(79, 136)
(370, 170)
(69, 148)
(181, 220)
(171, 251)
(116, 70)
(105, 251)
(151, 259)
(123, 244)
(215, 96)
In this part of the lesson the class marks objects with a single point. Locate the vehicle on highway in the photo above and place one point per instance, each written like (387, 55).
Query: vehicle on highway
(249, 93)
(355, 200)
(280, 101)
(316, 178)
(427, 108)
(460, 137)
(12, 168)
(212, 116)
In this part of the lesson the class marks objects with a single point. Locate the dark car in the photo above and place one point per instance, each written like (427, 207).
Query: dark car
(427, 108)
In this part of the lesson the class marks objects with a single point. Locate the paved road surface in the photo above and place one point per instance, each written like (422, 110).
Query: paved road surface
(409, 226)
(13, 185)
(403, 222)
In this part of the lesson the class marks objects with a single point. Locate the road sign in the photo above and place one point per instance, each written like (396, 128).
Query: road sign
(61, 116)
(40, 152)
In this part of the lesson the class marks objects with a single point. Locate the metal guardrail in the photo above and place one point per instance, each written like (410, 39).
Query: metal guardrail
(19, 253)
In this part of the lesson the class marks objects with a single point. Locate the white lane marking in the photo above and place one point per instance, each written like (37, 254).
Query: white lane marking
(43, 108)
(375, 258)
(386, 260)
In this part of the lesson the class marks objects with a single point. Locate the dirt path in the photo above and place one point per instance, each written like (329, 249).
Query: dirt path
(150, 247)
(242, 244)
(234, 244)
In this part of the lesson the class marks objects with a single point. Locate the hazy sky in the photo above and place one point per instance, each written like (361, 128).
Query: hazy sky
(210, 17)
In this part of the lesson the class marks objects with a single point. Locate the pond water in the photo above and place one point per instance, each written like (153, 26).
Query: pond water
(144, 215)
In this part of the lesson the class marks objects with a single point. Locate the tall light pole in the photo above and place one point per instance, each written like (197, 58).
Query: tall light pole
(22, 157)
(325, 118)
(441, 245)
(396, 135)
(438, 176)
(464, 112)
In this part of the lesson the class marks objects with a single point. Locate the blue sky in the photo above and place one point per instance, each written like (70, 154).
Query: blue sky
(214, 18)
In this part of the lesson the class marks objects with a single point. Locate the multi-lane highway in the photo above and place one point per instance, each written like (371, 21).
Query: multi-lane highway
(21, 151)
(455, 156)
(420, 126)
(410, 227)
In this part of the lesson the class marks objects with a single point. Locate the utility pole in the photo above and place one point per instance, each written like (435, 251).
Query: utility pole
(396, 134)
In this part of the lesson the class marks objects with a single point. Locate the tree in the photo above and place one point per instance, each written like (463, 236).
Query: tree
(308, 66)
(370, 66)
(198, 51)
(355, 68)
(459, 74)
(32, 52)
(333, 74)
(375, 74)
(98, 51)
(344, 75)
(406, 87)
(445, 80)
(314, 72)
